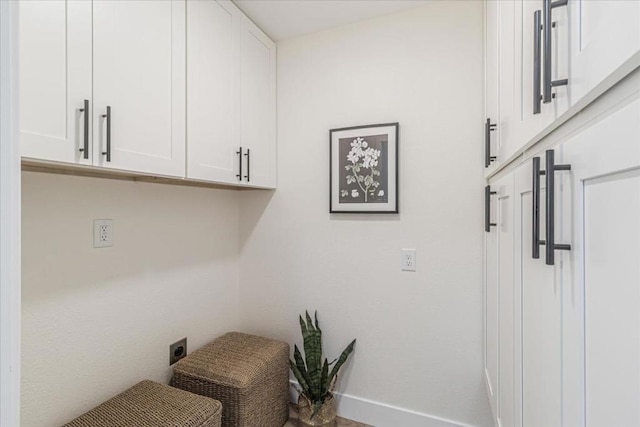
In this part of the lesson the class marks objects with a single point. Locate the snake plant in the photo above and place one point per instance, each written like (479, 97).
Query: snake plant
(313, 375)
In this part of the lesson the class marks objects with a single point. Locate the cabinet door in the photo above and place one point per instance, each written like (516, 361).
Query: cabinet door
(491, 310)
(538, 286)
(499, 303)
(529, 124)
(55, 79)
(213, 90)
(492, 22)
(506, 300)
(602, 324)
(604, 35)
(139, 71)
(258, 105)
(510, 96)
(560, 59)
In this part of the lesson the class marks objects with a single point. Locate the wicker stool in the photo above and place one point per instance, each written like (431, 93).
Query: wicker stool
(249, 375)
(149, 404)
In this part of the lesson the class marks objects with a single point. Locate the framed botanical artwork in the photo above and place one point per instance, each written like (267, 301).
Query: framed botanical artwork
(363, 170)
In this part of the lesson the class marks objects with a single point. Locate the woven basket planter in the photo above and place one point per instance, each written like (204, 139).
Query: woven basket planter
(325, 417)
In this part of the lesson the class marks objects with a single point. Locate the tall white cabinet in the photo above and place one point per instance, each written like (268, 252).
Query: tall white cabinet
(491, 300)
(564, 349)
(507, 297)
(602, 293)
(539, 286)
(562, 338)
(500, 298)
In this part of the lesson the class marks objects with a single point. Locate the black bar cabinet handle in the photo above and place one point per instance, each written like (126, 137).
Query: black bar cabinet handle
(85, 146)
(551, 246)
(239, 153)
(535, 222)
(108, 117)
(537, 51)
(488, 128)
(248, 156)
(487, 209)
(546, 26)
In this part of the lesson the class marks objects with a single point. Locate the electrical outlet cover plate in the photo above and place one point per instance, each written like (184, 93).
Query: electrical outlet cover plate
(177, 350)
(408, 260)
(102, 233)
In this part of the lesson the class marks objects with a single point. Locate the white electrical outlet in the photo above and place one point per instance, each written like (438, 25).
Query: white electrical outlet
(408, 259)
(102, 233)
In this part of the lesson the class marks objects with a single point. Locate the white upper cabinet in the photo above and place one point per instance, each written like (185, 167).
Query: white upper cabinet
(258, 106)
(492, 115)
(533, 115)
(139, 72)
(159, 87)
(605, 35)
(550, 54)
(508, 71)
(231, 77)
(55, 80)
(213, 91)
(541, 61)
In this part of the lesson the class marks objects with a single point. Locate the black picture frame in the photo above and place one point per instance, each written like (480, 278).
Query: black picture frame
(363, 169)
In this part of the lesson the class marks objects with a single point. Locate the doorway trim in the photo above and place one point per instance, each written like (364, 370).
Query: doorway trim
(10, 229)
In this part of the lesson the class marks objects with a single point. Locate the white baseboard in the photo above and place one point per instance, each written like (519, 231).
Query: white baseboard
(380, 414)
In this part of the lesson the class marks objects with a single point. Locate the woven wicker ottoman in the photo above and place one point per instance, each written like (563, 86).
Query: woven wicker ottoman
(249, 375)
(149, 404)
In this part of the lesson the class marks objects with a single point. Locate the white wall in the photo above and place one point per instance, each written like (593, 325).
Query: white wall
(96, 321)
(419, 334)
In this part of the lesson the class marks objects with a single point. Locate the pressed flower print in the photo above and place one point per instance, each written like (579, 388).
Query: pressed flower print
(363, 169)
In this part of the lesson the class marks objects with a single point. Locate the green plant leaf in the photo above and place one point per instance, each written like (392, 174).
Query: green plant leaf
(302, 369)
(312, 339)
(303, 326)
(299, 376)
(343, 358)
(309, 321)
(323, 379)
